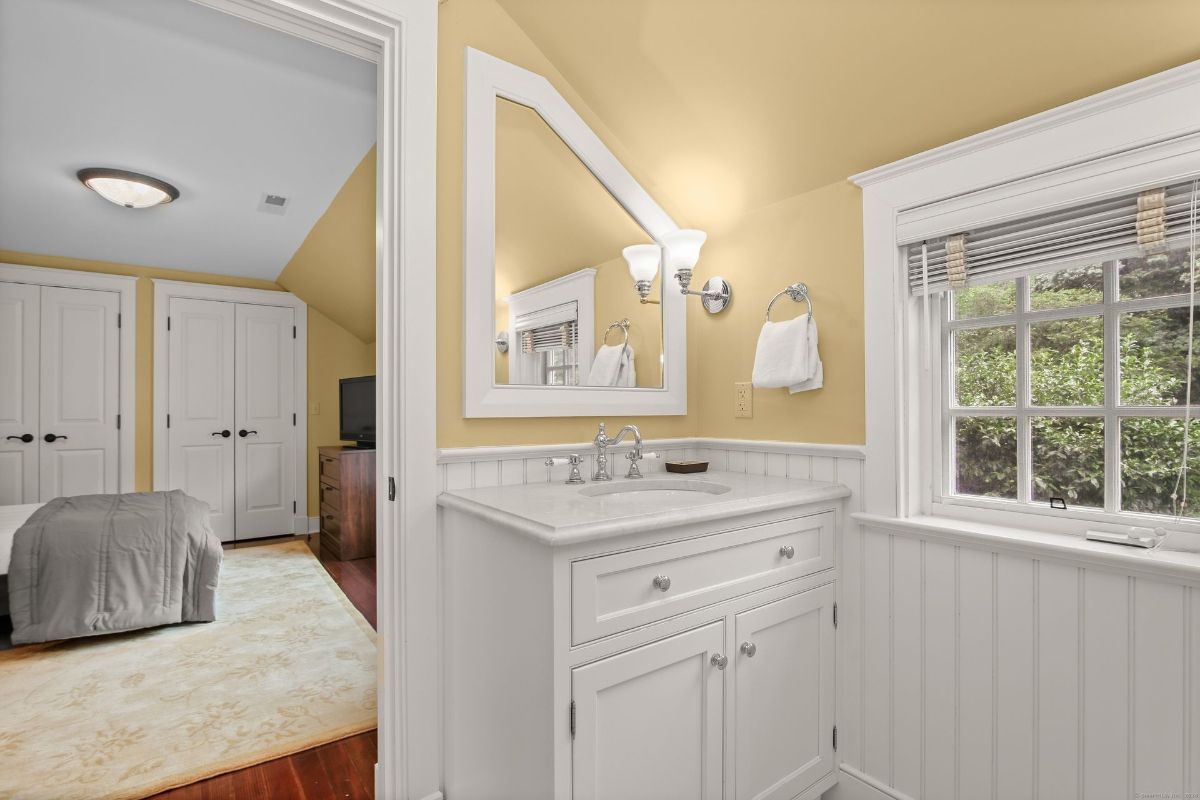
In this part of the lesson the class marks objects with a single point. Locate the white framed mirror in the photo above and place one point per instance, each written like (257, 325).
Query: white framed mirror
(553, 323)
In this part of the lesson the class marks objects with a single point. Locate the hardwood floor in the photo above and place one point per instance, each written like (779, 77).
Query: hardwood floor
(342, 769)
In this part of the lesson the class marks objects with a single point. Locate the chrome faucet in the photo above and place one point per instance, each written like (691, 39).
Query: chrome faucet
(603, 442)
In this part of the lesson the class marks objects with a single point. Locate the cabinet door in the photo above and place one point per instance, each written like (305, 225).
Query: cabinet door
(783, 696)
(264, 407)
(19, 362)
(649, 722)
(80, 392)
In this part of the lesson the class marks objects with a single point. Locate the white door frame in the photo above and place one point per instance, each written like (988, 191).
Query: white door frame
(164, 292)
(401, 37)
(126, 288)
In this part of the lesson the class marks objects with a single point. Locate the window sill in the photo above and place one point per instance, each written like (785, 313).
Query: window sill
(1174, 565)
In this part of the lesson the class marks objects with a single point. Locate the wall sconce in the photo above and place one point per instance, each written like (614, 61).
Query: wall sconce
(643, 262)
(683, 251)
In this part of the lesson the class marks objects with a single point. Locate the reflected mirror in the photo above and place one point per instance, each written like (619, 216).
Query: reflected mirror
(567, 313)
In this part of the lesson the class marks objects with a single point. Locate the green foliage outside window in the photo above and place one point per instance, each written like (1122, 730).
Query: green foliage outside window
(1067, 369)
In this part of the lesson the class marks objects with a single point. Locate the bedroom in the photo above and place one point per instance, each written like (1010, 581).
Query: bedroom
(220, 343)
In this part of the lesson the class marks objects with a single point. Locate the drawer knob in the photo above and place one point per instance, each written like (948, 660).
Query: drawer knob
(787, 551)
(719, 661)
(749, 649)
(662, 582)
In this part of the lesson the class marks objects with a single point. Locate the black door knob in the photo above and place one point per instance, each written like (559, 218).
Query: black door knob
(24, 437)
(50, 437)
(225, 434)
(244, 433)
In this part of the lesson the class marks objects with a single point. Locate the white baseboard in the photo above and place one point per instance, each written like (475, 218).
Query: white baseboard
(314, 524)
(856, 785)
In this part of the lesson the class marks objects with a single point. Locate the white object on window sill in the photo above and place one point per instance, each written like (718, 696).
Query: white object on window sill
(1182, 566)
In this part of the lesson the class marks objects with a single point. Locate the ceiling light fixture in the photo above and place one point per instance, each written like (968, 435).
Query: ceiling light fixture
(128, 189)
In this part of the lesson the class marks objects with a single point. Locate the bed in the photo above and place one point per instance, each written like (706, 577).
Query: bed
(11, 518)
(94, 564)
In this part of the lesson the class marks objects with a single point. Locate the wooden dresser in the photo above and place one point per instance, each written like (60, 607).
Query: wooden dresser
(347, 489)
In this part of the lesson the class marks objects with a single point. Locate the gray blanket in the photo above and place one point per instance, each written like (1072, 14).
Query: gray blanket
(105, 563)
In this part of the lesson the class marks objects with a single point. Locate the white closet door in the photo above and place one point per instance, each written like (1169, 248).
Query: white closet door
(200, 396)
(266, 436)
(19, 332)
(80, 380)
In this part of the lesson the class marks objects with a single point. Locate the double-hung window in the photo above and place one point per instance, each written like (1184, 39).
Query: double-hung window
(1060, 362)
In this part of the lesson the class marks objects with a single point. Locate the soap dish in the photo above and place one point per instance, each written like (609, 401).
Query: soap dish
(687, 466)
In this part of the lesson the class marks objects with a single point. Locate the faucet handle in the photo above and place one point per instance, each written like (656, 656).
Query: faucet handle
(574, 460)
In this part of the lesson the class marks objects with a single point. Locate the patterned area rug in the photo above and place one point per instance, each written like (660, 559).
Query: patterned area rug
(288, 665)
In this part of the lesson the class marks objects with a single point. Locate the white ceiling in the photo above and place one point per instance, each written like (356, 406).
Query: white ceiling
(224, 109)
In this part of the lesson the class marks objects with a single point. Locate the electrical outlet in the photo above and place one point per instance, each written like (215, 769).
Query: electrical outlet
(316, 408)
(743, 400)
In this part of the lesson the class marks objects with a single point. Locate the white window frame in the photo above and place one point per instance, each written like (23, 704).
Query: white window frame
(945, 501)
(1143, 134)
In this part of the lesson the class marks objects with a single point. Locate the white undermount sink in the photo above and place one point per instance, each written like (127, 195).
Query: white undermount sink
(652, 489)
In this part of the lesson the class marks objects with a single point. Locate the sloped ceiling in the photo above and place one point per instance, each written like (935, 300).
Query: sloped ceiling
(225, 109)
(733, 106)
(334, 269)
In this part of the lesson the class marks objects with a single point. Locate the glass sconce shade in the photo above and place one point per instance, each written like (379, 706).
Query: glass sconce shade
(643, 261)
(683, 248)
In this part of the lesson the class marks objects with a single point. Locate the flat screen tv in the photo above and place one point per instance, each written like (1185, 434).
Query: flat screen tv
(356, 409)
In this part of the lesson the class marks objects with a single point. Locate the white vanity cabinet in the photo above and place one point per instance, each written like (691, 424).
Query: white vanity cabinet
(678, 655)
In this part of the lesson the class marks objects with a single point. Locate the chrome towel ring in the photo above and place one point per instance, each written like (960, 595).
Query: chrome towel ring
(798, 292)
(623, 325)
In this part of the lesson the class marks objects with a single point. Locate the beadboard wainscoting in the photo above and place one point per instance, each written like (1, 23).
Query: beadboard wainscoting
(1004, 670)
(470, 467)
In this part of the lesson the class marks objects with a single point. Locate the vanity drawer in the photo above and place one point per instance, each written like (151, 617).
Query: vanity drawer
(614, 593)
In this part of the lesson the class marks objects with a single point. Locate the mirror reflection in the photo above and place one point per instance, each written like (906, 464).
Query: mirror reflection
(567, 309)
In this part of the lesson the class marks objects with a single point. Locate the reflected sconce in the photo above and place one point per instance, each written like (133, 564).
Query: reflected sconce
(643, 260)
(682, 253)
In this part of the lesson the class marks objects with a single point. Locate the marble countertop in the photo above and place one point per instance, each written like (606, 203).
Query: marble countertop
(557, 514)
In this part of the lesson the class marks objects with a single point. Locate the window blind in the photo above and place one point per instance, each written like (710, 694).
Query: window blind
(549, 337)
(1092, 230)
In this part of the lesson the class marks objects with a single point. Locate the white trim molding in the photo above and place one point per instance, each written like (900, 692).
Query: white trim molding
(164, 291)
(126, 288)
(489, 78)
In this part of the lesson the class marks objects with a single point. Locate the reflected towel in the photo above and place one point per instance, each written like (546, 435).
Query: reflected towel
(787, 356)
(613, 366)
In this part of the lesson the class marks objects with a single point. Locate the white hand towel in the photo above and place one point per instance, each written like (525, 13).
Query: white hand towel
(612, 366)
(787, 356)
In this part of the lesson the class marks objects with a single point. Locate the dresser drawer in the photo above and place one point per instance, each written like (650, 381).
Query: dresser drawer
(331, 521)
(330, 495)
(614, 593)
(330, 469)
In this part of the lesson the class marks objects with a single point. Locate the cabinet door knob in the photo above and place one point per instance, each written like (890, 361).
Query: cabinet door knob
(749, 648)
(662, 582)
(787, 551)
(719, 661)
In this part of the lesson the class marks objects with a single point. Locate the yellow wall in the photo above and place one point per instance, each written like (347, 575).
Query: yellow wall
(333, 270)
(483, 25)
(333, 353)
(143, 435)
(816, 238)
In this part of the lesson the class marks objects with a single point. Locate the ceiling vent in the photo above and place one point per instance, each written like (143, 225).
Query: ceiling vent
(273, 204)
